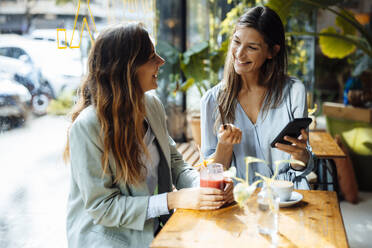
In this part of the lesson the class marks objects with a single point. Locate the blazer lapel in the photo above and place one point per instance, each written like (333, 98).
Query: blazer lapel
(154, 120)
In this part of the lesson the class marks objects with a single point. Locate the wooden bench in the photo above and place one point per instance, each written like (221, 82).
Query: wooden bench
(189, 152)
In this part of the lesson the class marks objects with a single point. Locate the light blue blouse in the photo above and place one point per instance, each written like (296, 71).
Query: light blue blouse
(256, 138)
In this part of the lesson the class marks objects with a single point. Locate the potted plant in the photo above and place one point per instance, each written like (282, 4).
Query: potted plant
(346, 39)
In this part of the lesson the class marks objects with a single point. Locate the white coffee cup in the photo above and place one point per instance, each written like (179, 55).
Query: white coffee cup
(283, 189)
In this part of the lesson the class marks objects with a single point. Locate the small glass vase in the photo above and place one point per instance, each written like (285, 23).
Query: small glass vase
(268, 209)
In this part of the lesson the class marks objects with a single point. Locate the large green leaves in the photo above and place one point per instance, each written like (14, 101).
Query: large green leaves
(199, 62)
(346, 27)
(193, 65)
(286, 8)
(323, 3)
(334, 43)
(334, 46)
(217, 58)
(170, 53)
(281, 7)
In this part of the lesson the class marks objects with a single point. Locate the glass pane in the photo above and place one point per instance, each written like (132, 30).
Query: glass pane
(169, 46)
(197, 21)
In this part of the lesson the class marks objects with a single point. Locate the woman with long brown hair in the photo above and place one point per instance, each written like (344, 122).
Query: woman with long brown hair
(123, 162)
(258, 99)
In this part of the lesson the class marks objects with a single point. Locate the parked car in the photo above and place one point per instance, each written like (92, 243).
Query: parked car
(30, 77)
(51, 35)
(60, 68)
(14, 99)
(63, 38)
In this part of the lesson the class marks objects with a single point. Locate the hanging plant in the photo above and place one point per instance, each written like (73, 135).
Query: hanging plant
(335, 42)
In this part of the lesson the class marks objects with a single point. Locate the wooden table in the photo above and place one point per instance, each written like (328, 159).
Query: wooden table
(314, 222)
(324, 146)
(325, 149)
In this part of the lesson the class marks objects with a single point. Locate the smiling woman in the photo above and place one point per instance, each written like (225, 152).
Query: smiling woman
(249, 50)
(257, 99)
(148, 72)
(123, 162)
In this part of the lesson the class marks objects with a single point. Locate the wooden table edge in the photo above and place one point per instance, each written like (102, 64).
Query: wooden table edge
(343, 230)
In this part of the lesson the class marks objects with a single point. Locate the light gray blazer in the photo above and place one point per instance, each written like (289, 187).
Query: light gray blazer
(103, 214)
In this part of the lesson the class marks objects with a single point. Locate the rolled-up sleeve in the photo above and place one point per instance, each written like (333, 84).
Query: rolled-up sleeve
(299, 110)
(158, 205)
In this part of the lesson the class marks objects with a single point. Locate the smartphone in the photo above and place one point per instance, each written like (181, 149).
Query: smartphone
(293, 129)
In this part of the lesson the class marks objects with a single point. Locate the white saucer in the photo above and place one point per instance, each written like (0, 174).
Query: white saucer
(295, 197)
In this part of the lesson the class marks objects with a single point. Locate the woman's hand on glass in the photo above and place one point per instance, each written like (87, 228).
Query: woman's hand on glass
(298, 149)
(228, 191)
(196, 198)
(229, 134)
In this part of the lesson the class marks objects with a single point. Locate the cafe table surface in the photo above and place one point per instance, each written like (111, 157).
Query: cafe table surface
(313, 222)
(324, 146)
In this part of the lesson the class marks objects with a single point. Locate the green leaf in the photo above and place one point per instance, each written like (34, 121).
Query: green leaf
(231, 19)
(334, 47)
(347, 27)
(217, 58)
(187, 84)
(169, 52)
(281, 7)
(198, 48)
(193, 65)
(326, 3)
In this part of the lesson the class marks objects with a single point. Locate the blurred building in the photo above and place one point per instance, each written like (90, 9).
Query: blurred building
(23, 16)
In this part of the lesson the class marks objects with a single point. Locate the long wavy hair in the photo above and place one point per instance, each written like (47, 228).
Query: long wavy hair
(273, 71)
(111, 86)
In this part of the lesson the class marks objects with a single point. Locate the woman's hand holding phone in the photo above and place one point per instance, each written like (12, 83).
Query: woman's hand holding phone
(297, 149)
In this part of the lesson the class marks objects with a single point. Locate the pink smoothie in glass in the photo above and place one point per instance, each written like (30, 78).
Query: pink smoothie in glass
(212, 183)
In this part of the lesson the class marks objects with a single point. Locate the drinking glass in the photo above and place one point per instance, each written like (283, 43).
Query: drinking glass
(212, 176)
(268, 208)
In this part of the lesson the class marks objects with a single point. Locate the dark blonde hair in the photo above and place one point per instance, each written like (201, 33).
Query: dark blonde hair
(273, 71)
(111, 86)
